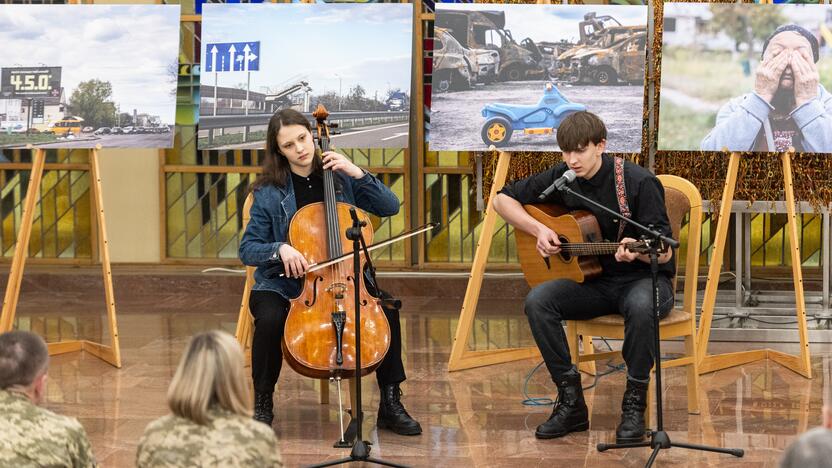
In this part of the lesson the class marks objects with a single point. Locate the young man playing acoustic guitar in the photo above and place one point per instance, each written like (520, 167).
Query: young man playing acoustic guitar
(624, 287)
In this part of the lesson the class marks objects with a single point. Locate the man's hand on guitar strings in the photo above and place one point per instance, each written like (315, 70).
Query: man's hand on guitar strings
(624, 255)
(548, 243)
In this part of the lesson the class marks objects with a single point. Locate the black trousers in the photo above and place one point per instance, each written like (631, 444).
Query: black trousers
(551, 302)
(270, 310)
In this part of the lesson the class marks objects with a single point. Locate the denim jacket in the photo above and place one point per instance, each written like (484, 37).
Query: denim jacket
(274, 207)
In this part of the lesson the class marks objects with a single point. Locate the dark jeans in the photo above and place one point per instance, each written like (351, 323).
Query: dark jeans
(551, 302)
(270, 309)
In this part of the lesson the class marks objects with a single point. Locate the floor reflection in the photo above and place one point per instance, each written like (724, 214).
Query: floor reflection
(470, 418)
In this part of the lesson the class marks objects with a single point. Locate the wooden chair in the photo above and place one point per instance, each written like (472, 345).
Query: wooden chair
(245, 330)
(681, 198)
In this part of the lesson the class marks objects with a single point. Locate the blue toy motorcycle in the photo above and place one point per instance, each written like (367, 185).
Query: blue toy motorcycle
(501, 120)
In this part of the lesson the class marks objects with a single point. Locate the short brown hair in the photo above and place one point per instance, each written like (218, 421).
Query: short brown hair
(23, 358)
(579, 129)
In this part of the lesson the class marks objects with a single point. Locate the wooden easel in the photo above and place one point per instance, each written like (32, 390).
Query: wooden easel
(710, 363)
(461, 356)
(110, 354)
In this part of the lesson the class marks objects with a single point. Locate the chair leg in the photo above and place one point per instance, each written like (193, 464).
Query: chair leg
(324, 391)
(572, 341)
(243, 332)
(693, 375)
(588, 348)
(244, 335)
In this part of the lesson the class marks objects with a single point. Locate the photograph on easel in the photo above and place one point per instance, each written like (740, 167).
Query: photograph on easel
(78, 76)
(746, 77)
(507, 75)
(354, 59)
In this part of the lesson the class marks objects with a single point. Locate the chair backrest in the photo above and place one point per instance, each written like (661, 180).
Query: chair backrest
(246, 218)
(244, 320)
(683, 198)
(247, 209)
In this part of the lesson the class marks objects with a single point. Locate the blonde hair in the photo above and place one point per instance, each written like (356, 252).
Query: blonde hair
(210, 374)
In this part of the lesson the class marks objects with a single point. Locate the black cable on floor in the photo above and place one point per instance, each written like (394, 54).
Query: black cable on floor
(545, 401)
(770, 323)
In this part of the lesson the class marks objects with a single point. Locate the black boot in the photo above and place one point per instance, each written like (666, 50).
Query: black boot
(264, 407)
(570, 413)
(633, 405)
(392, 415)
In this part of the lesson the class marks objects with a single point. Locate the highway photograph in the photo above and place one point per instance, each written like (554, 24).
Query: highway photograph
(260, 59)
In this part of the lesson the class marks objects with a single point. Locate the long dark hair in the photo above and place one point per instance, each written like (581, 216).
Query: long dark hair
(275, 165)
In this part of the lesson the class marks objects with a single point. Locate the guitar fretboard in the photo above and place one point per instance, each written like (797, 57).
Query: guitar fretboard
(598, 248)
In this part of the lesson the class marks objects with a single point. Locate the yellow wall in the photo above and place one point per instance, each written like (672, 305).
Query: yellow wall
(130, 181)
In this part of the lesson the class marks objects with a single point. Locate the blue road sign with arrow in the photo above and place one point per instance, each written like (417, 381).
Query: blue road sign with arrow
(232, 56)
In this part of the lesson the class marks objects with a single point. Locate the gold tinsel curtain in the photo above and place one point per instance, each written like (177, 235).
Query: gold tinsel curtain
(760, 176)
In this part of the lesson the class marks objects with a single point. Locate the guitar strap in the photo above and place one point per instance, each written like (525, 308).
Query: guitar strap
(621, 194)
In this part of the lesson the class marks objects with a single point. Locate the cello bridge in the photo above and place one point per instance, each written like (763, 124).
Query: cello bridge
(337, 289)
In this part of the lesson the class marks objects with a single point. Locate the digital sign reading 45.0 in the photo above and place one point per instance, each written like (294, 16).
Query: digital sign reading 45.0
(29, 82)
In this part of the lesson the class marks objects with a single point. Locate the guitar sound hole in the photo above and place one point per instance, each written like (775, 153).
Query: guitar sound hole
(564, 255)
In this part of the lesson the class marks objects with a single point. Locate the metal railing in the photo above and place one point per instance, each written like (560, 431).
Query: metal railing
(244, 124)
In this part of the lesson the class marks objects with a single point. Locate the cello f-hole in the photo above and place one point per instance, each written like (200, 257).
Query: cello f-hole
(314, 292)
(363, 302)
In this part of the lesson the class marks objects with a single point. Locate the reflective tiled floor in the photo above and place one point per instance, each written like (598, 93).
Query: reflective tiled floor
(470, 418)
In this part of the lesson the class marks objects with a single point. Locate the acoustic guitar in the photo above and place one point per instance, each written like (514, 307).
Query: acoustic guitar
(581, 243)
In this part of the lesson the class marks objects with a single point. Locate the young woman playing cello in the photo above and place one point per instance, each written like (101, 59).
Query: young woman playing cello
(291, 179)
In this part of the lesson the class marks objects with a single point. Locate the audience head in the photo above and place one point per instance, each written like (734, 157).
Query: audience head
(812, 449)
(24, 359)
(210, 376)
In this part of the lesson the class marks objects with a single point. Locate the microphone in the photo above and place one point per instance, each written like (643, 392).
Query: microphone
(559, 183)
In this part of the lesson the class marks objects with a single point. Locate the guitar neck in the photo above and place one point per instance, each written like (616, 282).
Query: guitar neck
(595, 248)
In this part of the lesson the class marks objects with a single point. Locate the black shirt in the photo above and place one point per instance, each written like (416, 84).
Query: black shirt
(785, 134)
(308, 189)
(645, 197)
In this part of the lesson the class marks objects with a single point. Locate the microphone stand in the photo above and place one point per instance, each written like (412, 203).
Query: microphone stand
(361, 448)
(659, 439)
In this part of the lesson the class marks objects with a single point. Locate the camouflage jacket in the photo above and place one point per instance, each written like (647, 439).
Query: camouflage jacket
(31, 436)
(227, 440)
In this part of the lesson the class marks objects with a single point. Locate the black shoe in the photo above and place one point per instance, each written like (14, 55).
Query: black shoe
(392, 415)
(570, 413)
(633, 404)
(264, 407)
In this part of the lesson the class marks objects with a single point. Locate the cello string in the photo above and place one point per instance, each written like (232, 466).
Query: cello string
(333, 224)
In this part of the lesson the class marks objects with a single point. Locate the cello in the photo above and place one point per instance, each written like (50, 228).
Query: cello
(319, 335)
